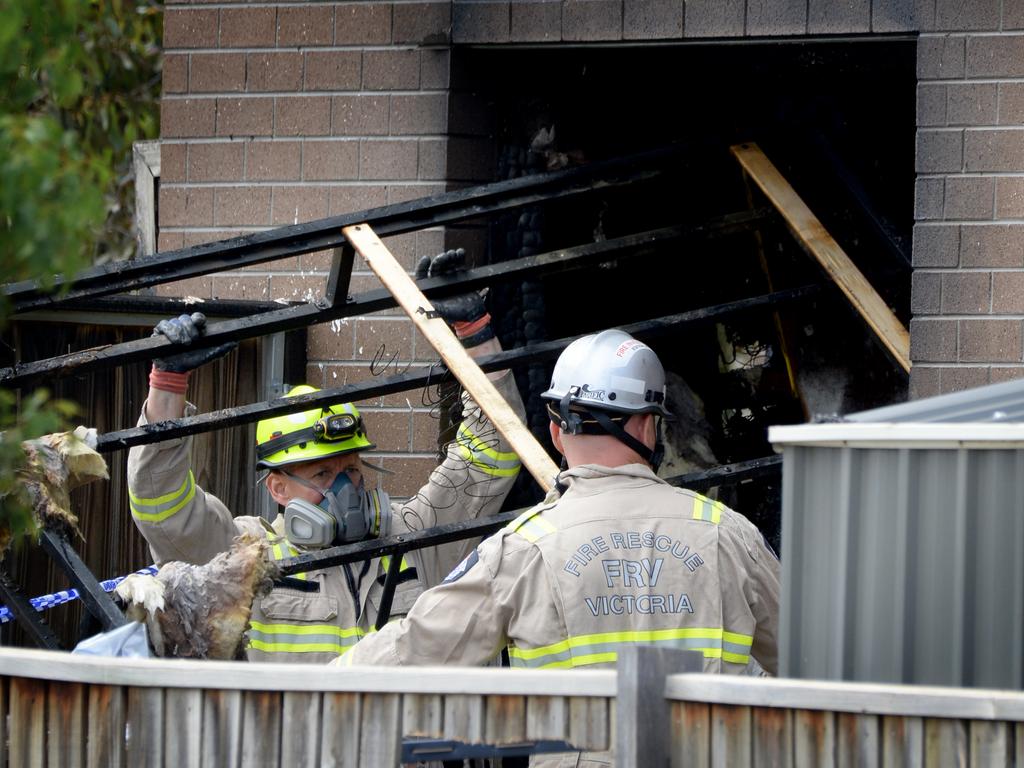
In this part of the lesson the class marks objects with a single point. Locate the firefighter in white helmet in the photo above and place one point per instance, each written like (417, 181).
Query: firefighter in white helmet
(315, 471)
(618, 558)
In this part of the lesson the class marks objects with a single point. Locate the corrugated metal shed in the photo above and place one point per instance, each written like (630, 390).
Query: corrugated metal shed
(903, 543)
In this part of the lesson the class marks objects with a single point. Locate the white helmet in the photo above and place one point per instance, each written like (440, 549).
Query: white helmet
(611, 371)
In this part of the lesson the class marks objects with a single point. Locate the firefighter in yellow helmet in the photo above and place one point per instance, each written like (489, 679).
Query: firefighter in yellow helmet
(314, 466)
(613, 557)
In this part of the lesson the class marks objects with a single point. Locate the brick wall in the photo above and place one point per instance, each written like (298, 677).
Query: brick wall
(968, 284)
(282, 113)
(278, 114)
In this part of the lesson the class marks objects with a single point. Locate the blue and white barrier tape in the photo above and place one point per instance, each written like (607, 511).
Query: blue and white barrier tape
(43, 602)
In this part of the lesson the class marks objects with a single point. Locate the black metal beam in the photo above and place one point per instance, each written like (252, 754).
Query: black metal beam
(325, 234)
(299, 316)
(161, 306)
(396, 546)
(97, 602)
(728, 474)
(246, 414)
(26, 615)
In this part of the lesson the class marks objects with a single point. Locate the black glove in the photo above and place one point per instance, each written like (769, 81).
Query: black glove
(467, 312)
(185, 329)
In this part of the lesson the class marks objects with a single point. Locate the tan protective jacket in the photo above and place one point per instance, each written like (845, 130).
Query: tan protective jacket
(180, 521)
(621, 558)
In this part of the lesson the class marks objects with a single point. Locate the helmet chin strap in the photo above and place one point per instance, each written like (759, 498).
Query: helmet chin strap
(652, 457)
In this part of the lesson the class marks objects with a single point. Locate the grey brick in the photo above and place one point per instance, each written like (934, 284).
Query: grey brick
(480, 22)
(992, 245)
(592, 20)
(433, 160)
(995, 150)
(388, 159)
(394, 69)
(959, 378)
(435, 68)
(421, 23)
(714, 18)
(940, 57)
(1007, 293)
(995, 56)
(833, 17)
(362, 24)
(928, 198)
(776, 17)
(960, 16)
(361, 115)
(969, 197)
(936, 245)
(990, 341)
(1013, 14)
(536, 21)
(652, 19)
(972, 103)
(998, 374)
(933, 341)
(1010, 197)
(931, 104)
(925, 293)
(939, 151)
(895, 16)
(421, 113)
(924, 381)
(1011, 104)
(966, 293)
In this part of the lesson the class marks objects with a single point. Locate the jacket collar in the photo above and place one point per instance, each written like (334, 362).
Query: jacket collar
(640, 473)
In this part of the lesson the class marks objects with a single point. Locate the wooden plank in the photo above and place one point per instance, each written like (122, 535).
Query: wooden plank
(183, 726)
(1019, 744)
(858, 740)
(902, 741)
(547, 718)
(105, 743)
(300, 729)
(691, 735)
(27, 725)
(730, 736)
(813, 237)
(991, 744)
(423, 715)
(772, 738)
(261, 725)
(814, 738)
(588, 723)
(342, 723)
(381, 745)
(145, 730)
(222, 729)
(504, 719)
(464, 718)
(65, 726)
(462, 366)
(945, 743)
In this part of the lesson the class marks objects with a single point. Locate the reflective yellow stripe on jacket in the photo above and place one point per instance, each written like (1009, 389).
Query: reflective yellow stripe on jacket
(483, 457)
(302, 638)
(282, 549)
(603, 648)
(162, 507)
(706, 509)
(531, 526)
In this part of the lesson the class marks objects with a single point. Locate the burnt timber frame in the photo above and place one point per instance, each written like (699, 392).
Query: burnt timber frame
(96, 286)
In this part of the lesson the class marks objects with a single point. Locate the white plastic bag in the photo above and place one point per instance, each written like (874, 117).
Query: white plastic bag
(128, 641)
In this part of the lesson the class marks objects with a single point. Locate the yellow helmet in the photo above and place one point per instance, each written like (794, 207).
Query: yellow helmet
(310, 435)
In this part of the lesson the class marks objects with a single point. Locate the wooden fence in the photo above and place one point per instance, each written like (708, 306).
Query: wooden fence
(59, 709)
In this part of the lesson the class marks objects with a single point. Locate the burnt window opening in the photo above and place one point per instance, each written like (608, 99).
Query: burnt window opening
(836, 118)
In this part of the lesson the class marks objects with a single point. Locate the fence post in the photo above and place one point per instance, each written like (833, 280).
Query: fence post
(641, 710)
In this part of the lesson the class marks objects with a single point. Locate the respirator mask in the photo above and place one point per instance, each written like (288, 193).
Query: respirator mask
(345, 514)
